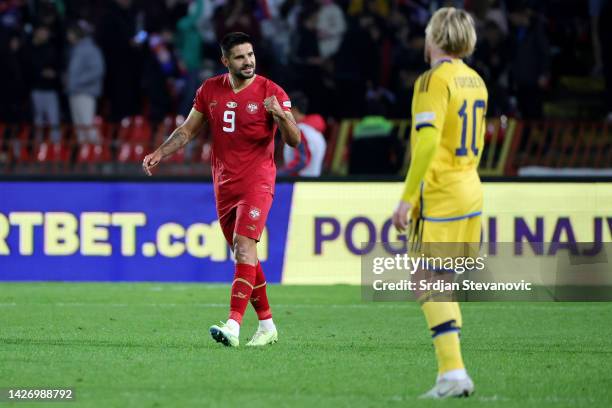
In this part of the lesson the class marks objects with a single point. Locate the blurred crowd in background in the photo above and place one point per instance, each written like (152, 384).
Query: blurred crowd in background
(66, 60)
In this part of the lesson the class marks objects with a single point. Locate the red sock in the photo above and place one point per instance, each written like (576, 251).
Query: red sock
(242, 287)
(259, 297)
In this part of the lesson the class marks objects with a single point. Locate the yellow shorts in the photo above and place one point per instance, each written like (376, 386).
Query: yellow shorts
(436, 238)
(464, 230)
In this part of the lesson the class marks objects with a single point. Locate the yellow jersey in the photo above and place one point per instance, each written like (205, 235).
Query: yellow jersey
(452, 98)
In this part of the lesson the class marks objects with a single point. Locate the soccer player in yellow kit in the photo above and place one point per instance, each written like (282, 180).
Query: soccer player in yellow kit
(442, 193)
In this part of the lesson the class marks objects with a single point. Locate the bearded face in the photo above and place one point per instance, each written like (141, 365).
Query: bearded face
(241, 61)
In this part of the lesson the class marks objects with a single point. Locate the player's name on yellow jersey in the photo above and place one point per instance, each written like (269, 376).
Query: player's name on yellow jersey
(469, 82)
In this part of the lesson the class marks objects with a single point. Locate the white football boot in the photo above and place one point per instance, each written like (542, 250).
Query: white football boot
(445, 388)
(224, 335)
(263, 338)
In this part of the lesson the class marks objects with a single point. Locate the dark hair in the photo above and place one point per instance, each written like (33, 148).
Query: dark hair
(299, 101)
(81, 28)
(231, 40)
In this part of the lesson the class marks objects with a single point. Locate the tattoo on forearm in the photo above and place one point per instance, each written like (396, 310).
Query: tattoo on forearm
(175, 141)
(289, 130)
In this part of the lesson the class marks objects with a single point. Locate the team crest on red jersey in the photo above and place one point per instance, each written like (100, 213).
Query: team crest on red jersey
(254, 213)
(212, 105)
(252, 107)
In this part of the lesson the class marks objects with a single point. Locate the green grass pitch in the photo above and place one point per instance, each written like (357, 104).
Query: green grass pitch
(147, 345)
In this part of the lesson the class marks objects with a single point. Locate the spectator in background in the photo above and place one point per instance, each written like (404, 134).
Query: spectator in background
(276, 30)
(530, 64)
(189, 46)
(408, 21)
(121, 47)
(163, 13)
(491, 61)
(206, 27)
(48, 14)
(237, 16)
(372, 24)
(605, 37)
(13, 83)
(45, 65)
(159, 71)
(84, 80)
(418, 15)
(331, 26)
(306, 63)
(595, 9)
(408, 64)
(306, 160)
(497, 14)
(349, 73)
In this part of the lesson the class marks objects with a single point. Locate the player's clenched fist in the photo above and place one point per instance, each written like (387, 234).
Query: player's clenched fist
(272, 106)
(150, 161)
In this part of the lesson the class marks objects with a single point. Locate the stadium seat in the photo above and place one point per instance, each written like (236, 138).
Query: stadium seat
(43, 152)
(124, 153)
(139, 150)
(52, 157)
(85, 153)
(162, 130)
(101, 153)
(106, 130)
(141, 130)
(18, 143)
(166, 127)
(91, 158)
(125, 129)
(205, 152)
(199, 163)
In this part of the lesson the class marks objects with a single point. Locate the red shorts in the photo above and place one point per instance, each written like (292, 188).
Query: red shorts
(245, 216)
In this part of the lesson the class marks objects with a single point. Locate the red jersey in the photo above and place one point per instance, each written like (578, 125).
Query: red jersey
(242, 132)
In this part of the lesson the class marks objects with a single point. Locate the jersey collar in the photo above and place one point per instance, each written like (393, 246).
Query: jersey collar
(442, 61)
(229, 83)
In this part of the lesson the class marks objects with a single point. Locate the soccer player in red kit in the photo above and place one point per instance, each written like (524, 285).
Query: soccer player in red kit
(243, 111)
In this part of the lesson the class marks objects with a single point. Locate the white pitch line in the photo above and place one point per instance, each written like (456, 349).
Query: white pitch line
(379, 305)
(293, 305)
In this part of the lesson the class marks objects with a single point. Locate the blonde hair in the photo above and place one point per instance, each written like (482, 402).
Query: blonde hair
(452, 30)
